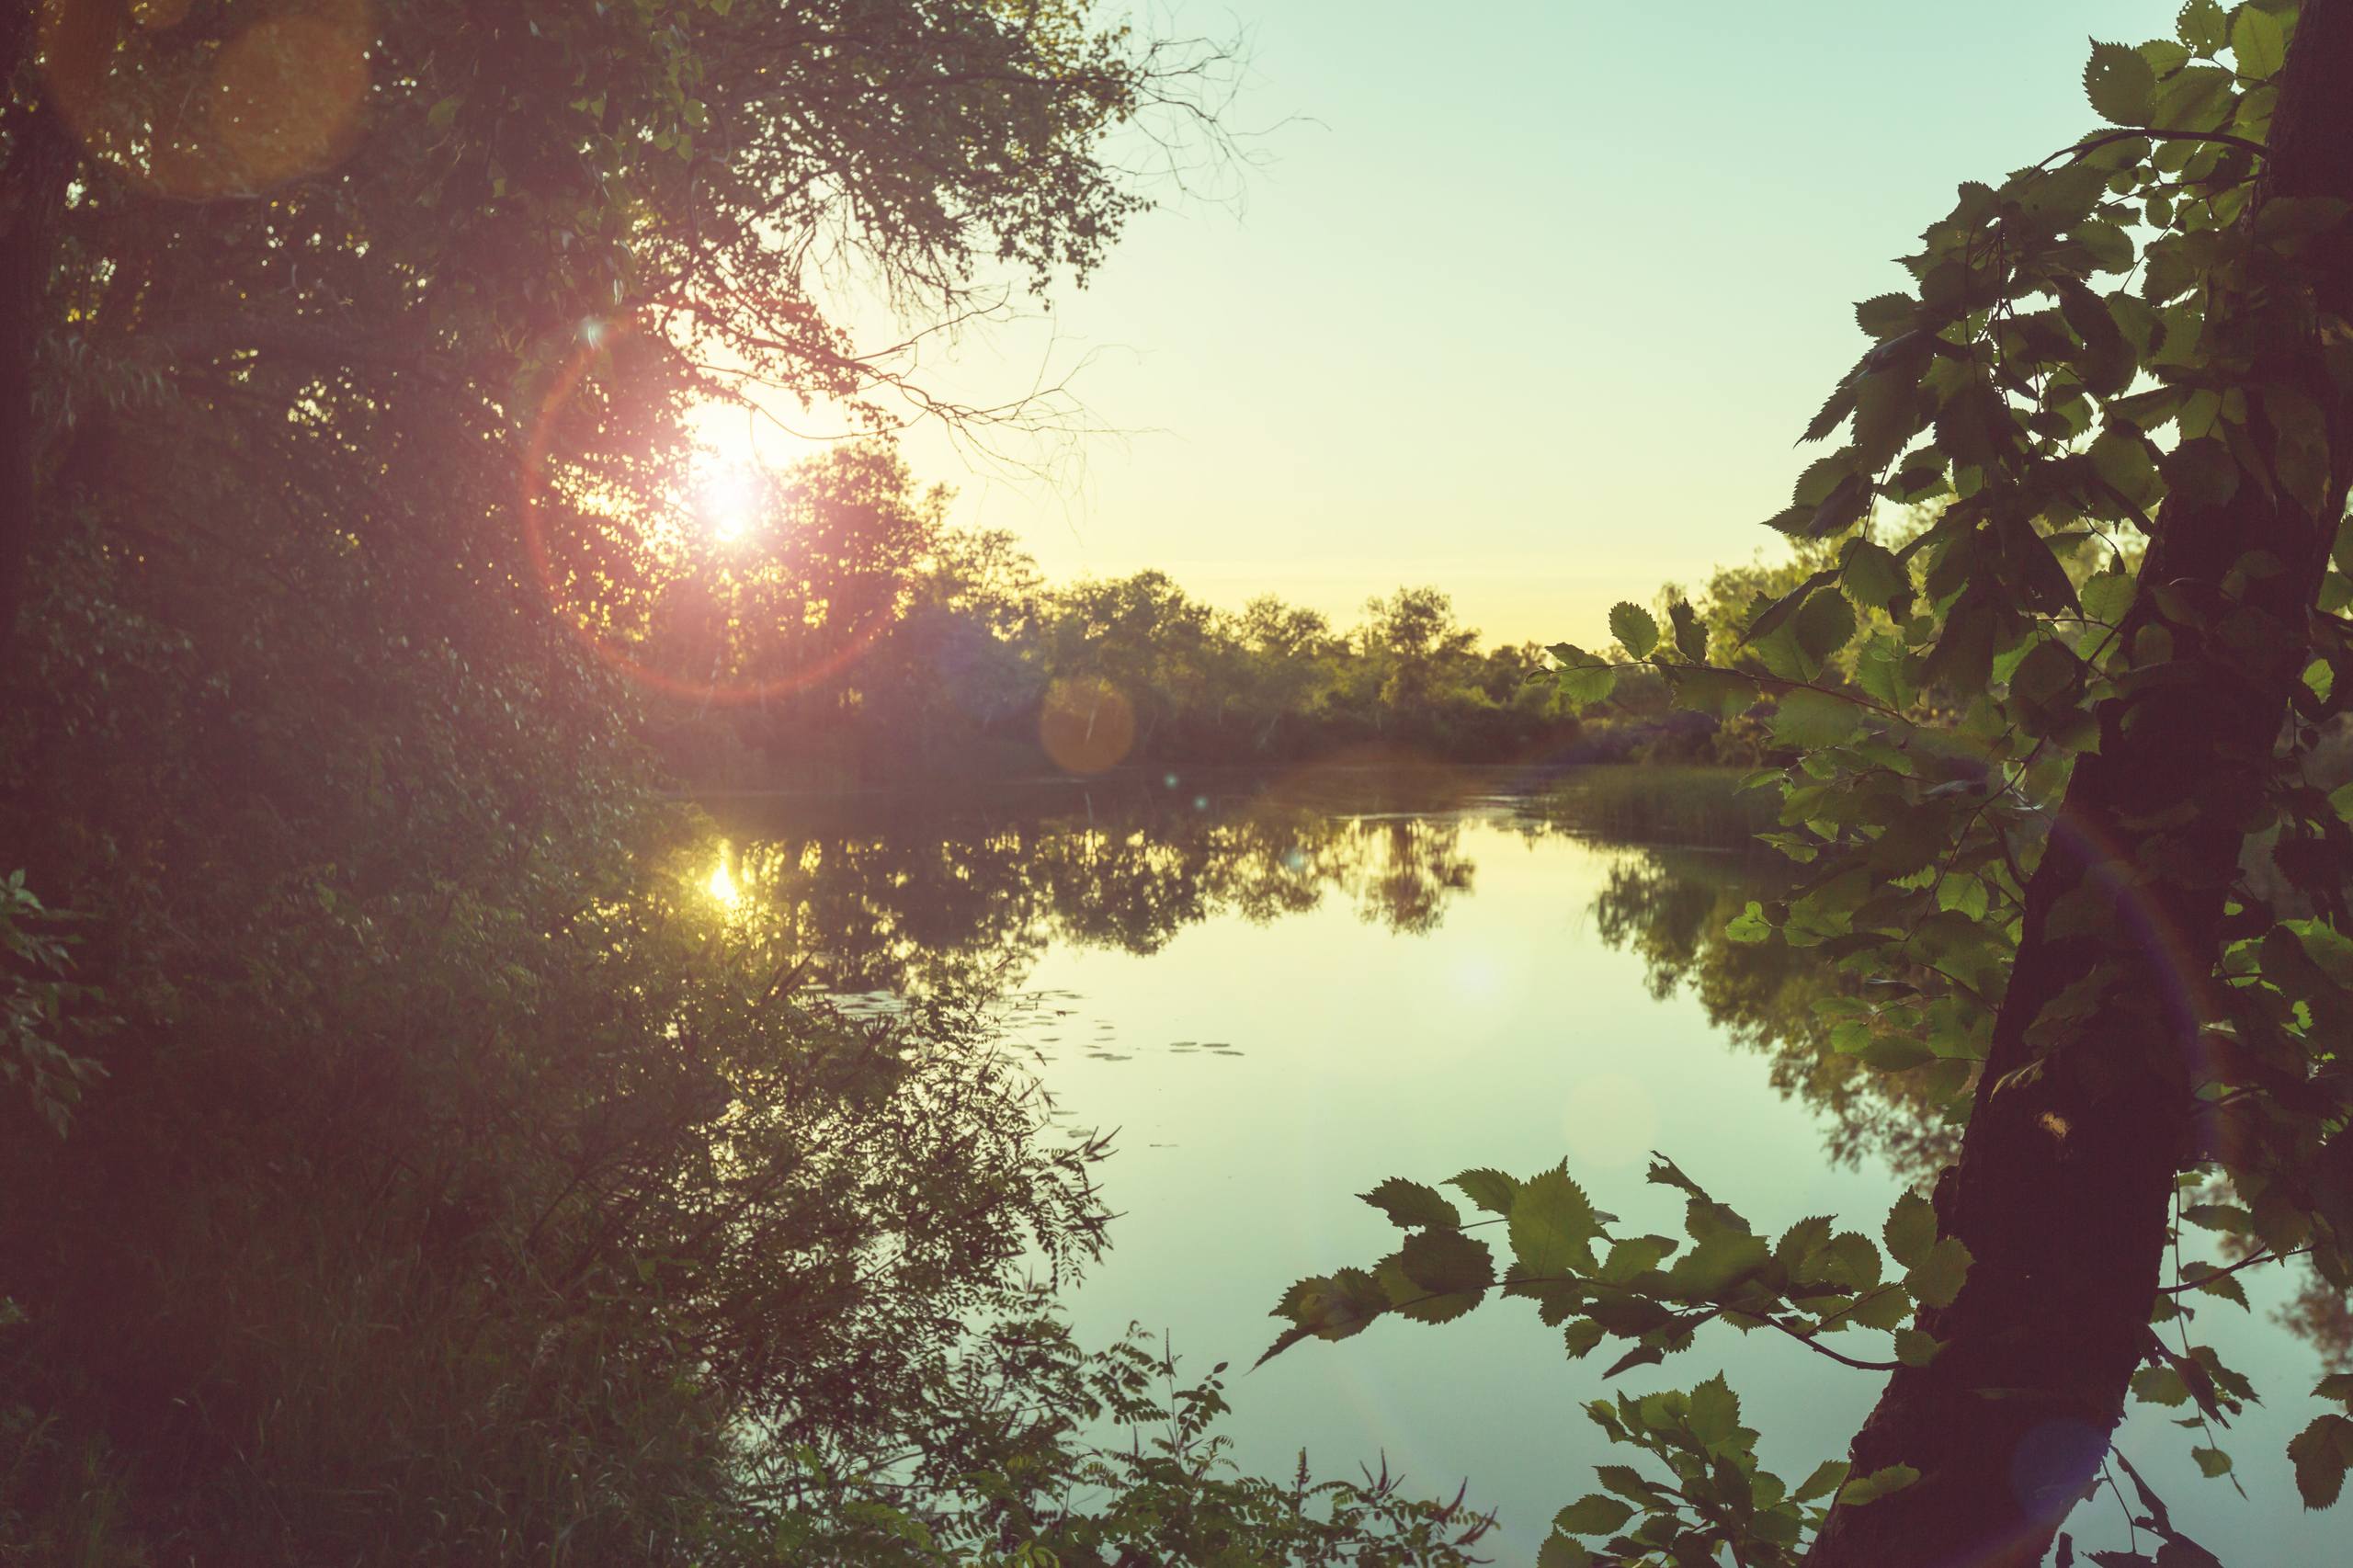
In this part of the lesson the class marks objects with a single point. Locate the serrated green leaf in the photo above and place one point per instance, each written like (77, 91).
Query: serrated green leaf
(1870, 1488)
(1826, 1478)
(1916, 1348)
(1552, 1227)
(1691, 632)
(1409, 1204)
(1809, 719)
(2121, 86)
(1636, 631)
(1715, 1414)
(2258, 43)
(1936, 1278)
(2203, 25)
(2321, 1453)
(1823, 625)
(1911, 1230)
(1561, 1552)
(1491, 1190)
(1872, 576)
(1593, 1514)
(1585, 678)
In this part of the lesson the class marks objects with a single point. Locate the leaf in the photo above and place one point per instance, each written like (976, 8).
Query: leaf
(1585, 678)
(1634, 628)
(1809, 719)
(1914, 1347)
(2203, 25)
(2160, 1385)
(1871, 575)
(1553, 1227)
(1715, 1412)
(1447, 1261)
(1436, 1275)
(2211, 1462)
(1877, 1484)
(1561, 1552)
(1716, 1264)
(1593, 1514)
(2120, 85)
(1937, 1280)
(1885, 315)
(1825, 625)
(1764, 622)
(2321, 1453)
(442, 115)
(1826, 1478)
(2258, 43)
(1491, 1190)
(1409, 1204)
(1749, 925)
(1911, 1230)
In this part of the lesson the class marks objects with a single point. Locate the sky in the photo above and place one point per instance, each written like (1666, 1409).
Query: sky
(1527, 301)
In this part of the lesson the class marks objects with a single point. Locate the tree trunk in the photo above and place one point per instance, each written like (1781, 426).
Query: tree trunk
(31, 192)
(2063, 1192)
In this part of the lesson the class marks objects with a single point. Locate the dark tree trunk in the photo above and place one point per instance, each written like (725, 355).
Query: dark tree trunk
(31, 192)
(2063, 1188)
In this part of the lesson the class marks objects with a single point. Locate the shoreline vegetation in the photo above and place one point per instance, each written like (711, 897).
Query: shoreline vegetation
(851, 637)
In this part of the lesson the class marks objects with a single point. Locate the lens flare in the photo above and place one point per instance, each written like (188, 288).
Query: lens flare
(1087, 726)
(571, 593)
(729, 499)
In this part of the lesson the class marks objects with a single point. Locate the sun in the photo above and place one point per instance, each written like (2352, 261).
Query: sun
(729, 499)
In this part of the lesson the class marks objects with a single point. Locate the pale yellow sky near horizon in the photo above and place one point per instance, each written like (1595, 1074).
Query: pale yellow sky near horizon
(1524, 300)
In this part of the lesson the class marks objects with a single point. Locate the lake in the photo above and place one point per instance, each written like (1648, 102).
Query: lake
(1282, 991)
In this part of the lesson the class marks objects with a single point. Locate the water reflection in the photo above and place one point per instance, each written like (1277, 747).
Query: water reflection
(905, 899)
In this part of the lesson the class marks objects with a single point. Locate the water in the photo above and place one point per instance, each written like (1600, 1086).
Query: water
(1282, 993)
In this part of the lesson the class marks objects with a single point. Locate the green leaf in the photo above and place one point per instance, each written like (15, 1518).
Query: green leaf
(1553, 1227)
(1561, 1552)
(1490, 1190)
(1877, 1484)
(1825, 625)
(2203, 25)
(2321, 1453)
(1873, 575)
(1809, 719)
(1749, 925)
(441, 115)
(1447, 1261)
(1886, 316)
(1715, 1412)
(1911, 1230)
(2160, 1385)
(1634, 628)
(1409, 1204)
(2258, 43)
(1596, 1512)
(1916, 1348)
(1937, 1280)
(1826, 1478)
(2211, 1462)
(2120, 85)
(1691, 632)
(1585, 678)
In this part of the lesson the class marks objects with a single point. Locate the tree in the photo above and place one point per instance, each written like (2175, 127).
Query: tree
(2026, 819)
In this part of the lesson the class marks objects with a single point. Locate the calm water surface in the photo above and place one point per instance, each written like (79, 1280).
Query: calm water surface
(1282, 992)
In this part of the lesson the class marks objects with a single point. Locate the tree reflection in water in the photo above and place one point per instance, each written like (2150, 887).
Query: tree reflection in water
(915, 899)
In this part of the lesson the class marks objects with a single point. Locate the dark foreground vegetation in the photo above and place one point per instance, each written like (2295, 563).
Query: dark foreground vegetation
(400, 1167)
(396, 1164)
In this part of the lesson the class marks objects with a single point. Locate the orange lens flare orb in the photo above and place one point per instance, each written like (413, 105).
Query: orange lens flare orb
(183, 111)
(1087, 725)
